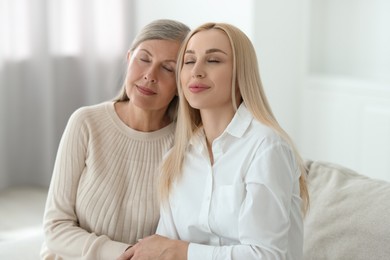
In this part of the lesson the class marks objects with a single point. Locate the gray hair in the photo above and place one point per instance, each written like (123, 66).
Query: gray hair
(162, 29)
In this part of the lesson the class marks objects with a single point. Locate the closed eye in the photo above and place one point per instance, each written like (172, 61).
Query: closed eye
(169, 69)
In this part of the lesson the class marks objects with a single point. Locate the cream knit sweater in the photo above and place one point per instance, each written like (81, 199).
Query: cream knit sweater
(102, 195)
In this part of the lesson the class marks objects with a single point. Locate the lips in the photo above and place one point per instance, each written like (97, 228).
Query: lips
(196, 88)
(146, 91)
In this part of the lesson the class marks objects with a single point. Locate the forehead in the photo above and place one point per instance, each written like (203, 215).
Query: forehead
(164, 49)
(209, 39)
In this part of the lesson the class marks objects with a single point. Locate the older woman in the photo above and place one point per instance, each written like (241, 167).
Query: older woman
(102, 196)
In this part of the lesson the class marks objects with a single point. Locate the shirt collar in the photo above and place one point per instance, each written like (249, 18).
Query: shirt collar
(240, 122)
(237, 127)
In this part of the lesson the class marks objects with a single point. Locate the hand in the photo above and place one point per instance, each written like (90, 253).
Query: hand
(156, 247)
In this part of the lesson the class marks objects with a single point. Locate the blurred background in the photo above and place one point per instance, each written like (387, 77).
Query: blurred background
(325, 66)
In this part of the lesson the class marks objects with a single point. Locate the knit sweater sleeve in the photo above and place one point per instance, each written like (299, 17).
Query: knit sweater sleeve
(63, 235)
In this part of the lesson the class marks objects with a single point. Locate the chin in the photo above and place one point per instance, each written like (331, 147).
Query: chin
(196, 105)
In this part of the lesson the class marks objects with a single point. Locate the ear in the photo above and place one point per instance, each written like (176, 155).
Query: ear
(128, 56)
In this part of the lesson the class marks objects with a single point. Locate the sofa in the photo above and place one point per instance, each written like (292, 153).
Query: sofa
(349, 215)
(348, 218)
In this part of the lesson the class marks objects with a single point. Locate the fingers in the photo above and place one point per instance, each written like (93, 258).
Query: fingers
(127, 254)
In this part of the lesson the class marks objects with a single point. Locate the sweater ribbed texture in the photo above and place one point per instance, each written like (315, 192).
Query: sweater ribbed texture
(102, 195)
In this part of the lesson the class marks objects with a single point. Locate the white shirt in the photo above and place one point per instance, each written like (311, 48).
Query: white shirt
(244, 206)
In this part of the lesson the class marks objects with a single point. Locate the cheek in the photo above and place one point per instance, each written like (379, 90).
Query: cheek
(225, 81)
(169, 79)
(183, 77)
(136, 69)
(169, 86)
(131, 73)
(128, 78)
(171, 90)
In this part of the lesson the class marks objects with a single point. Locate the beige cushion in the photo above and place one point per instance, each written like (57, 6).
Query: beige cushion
(349, 216)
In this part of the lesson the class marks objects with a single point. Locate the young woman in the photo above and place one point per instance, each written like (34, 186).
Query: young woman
(102, 196)
(233, 185)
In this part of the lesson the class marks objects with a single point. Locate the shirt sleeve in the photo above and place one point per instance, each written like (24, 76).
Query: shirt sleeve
(63, 236)
(166, 226)
(264, 219)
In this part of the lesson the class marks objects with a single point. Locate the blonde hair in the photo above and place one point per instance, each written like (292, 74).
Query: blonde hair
(246, 77)
(162, 29)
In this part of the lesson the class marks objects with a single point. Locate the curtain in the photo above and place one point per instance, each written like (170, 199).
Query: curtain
(55, 56)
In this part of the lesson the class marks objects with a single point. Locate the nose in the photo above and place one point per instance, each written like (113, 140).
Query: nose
(198, 75)
(150, 77)
(197, 72)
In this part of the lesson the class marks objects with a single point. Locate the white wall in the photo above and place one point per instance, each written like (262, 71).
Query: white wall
(278, 38)
(194, 13)
(350, 38)
(346, 92)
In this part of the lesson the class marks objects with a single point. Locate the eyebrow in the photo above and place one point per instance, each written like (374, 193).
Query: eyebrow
(149, 53)
(213, 50)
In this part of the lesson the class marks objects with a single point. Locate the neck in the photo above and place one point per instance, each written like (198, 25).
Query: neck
(140, 119)
(215, 122)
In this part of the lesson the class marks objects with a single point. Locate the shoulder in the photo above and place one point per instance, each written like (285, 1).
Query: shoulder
(252, 132)
(264, 134)
(88, 116)
(90, 111)
(270, 143)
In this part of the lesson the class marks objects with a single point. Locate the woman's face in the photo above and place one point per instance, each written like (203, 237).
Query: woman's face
(150, 81)
(206, 74)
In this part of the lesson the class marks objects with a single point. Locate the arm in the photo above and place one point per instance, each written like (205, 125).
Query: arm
(163, 246)
(63, 236)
